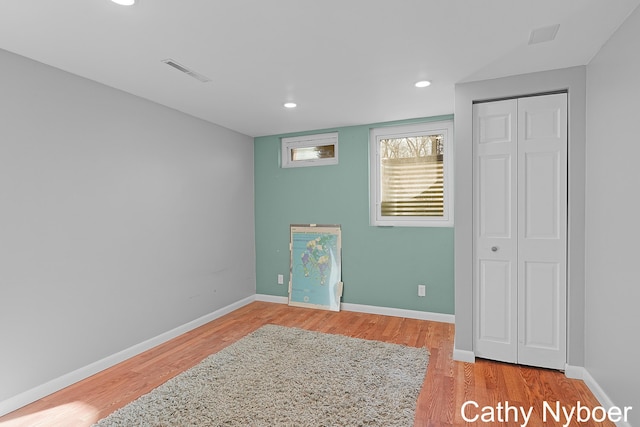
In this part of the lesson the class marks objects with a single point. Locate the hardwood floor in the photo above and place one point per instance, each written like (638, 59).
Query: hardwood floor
(448, 384)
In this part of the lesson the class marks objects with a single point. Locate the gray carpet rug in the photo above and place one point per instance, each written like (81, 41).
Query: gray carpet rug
(279, 376)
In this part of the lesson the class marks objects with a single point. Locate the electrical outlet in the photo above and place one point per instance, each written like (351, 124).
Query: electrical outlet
(422, 290)
(280, 279)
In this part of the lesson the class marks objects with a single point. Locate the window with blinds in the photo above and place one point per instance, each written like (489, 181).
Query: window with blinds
(410, 175)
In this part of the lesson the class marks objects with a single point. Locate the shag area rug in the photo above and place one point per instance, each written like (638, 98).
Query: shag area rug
(279, 376)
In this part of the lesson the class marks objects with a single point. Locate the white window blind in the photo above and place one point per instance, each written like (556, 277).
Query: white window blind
(411, 172)
(410, 175)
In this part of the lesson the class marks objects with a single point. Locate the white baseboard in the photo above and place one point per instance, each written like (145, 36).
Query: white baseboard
(464, 355)
(66, 380)
(581, 373)
(372, 309)
(272, 298)
(398, 312)
(574, 372)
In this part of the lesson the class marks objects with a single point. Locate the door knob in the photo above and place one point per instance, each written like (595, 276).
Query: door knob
(494, 248)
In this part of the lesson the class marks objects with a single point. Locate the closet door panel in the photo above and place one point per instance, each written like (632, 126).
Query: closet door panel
(542, 218)
(541, 310)
(495, 296)
(541, 195)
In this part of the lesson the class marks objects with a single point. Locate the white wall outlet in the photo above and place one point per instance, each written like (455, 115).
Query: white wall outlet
(280, 279)
(422, 290)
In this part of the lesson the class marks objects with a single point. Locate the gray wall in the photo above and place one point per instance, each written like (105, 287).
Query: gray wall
(573, 80)
(120, 220)
(613, 230)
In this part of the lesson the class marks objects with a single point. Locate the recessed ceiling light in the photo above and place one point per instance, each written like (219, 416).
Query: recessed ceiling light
(124, 2)
(423, 83)
(290, 105)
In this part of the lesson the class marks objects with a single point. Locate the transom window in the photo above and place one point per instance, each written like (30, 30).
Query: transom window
(410, 175)
(310, 150)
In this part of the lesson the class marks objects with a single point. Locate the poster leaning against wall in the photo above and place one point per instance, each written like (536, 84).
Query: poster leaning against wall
(315, 279)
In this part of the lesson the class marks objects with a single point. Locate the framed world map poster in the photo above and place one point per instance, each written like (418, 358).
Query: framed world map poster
(316, 267)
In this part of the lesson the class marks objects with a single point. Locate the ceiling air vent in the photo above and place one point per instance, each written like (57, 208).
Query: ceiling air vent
(197, 76)
(544, 34)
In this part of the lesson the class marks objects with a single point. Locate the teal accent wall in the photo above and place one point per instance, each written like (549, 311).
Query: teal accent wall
(381, 266)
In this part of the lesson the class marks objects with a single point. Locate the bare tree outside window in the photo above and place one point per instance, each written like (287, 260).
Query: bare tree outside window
(412, 176)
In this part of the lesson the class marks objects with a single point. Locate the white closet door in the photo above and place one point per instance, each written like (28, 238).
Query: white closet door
(542, 230)
(495, 227)
(520, 217)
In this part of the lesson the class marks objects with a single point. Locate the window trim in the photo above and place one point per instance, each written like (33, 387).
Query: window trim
(445, 127)
(305, 141)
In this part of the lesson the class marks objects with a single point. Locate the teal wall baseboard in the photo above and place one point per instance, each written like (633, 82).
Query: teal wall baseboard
(371, 309)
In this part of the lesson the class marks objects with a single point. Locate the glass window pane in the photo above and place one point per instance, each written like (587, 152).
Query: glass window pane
(313, 153)
(412, 172)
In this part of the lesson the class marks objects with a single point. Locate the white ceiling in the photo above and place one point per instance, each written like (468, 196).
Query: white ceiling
(344, 62)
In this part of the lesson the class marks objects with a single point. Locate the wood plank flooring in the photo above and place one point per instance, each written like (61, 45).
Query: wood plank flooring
(447, 386)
